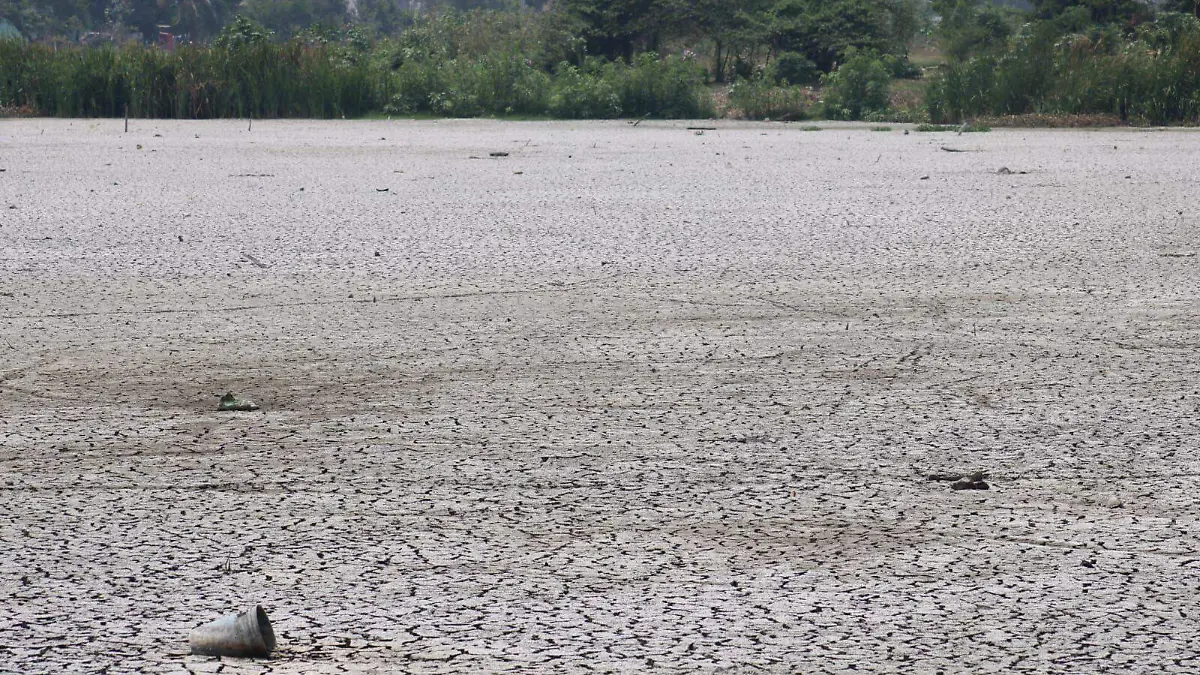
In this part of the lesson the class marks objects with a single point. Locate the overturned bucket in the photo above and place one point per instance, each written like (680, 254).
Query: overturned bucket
(246, 634)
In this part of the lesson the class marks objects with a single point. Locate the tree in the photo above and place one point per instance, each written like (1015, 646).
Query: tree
(823, 30)
(968, 27)
(1102, 11)
(858, 87)
(118, 17)
(289, 17)
(735, 27)
(905, 20)
(42, 18)
(1185, 6)
(200, 20)
(615, 28)
(386, 17)
(242, 32)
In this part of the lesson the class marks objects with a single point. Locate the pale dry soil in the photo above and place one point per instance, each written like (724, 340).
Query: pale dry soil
(630, 399)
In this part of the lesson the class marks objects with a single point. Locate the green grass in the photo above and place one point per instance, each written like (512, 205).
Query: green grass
(881, 128)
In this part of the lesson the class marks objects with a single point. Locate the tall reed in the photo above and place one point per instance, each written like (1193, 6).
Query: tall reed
(293, 79)
(416, 74)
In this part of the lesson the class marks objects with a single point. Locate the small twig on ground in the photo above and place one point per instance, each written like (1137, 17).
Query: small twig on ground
(255, 261)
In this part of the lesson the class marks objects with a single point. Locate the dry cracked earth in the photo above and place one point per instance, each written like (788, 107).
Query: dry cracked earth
(628, 399)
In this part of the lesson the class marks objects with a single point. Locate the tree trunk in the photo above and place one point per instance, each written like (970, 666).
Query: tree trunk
(719, 65)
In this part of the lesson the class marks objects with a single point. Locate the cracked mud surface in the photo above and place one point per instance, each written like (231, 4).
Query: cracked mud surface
(627, 400)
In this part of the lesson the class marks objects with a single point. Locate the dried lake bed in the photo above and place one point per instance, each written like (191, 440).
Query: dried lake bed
(626, 399)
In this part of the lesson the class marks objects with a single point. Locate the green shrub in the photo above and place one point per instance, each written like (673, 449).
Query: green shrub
(670, 87)
(465, 87)
(580, 94)
(858, 87)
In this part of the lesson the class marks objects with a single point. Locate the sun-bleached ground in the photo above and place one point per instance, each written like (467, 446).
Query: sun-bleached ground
(628, 399)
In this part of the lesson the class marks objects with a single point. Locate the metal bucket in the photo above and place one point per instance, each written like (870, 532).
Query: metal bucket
(246, 634)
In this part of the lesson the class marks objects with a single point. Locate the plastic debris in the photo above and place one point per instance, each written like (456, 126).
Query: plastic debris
(230, 402)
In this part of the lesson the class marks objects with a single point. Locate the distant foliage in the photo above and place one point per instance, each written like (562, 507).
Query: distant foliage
(290, 17)
(1099, 11)
(600, 58)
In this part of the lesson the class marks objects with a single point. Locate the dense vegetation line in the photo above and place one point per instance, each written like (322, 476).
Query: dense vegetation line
(569, 58)
(1129, 60)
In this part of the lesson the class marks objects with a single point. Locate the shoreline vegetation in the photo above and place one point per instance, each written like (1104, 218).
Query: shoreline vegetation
(1061, 70)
